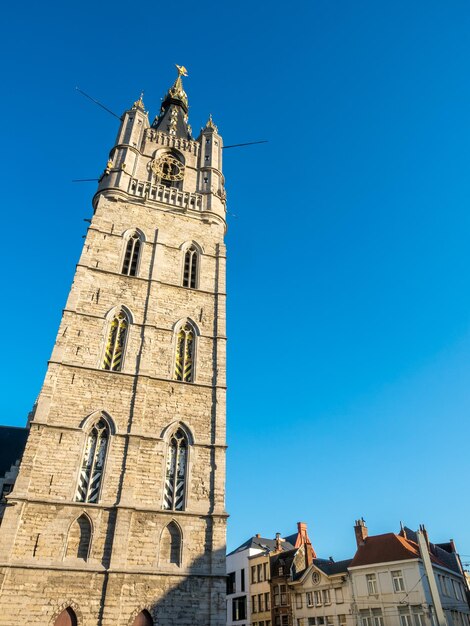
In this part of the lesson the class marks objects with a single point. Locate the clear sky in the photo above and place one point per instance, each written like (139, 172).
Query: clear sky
(348, 282)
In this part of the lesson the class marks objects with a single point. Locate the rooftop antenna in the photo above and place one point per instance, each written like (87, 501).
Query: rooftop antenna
(96, 102)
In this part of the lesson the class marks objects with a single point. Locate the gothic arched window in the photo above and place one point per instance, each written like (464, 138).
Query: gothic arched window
(170, 545)
(132, 254)
(116, 342)
(66, 618)
(184, 359)
(143, 619)
(176, 469)
(190, 273)
(79, 538)
(91, 471)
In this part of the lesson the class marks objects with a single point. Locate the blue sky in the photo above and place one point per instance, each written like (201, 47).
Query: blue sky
(349, 301)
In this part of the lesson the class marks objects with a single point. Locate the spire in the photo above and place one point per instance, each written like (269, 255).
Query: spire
(173, 118)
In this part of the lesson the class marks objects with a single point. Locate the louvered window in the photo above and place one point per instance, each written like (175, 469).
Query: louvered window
(131, 256)
(184, 360)
(176, 467)
(116, 342)
(190, 267)
(91, 471)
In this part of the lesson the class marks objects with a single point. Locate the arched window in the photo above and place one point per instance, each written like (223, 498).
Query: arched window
(116, 342)
(132, 254)
(176, 468)
(91, 472)
(170, 545)
(143, 619)
(79, 539)
(184, 358)
(66, 618)
(191, 259)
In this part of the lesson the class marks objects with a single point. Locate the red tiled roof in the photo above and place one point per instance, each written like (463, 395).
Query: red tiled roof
(385, 548)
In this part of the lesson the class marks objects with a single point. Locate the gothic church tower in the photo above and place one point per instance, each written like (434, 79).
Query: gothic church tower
(117, 517)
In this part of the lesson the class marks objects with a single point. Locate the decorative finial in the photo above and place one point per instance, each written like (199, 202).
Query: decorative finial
(139, 104)
(182, 71)
(210, 124)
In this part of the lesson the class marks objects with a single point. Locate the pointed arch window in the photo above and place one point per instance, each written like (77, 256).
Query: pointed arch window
(143, 619)
(66, 618)
(132, 255)
(176, 470)
(91, 471)
(116, 342)
(170, 544)
(79, 539)
(191, 262)
(184, 360)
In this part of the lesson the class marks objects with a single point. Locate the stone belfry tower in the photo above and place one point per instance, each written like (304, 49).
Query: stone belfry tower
(117, 517)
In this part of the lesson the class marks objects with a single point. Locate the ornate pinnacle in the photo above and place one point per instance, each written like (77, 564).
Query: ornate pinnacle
(139, 104)
(210, 124)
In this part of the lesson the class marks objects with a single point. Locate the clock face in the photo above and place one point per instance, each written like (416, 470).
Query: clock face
(315, 578)
(168, 168)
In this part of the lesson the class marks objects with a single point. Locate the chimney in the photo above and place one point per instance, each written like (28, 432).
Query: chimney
(361, 532)
(278, 542)
(425, 535)
(258, 536)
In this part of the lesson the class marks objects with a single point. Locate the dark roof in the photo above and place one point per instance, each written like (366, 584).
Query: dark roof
(330, 568)
(443, 552)
(261, 543)
(12, 445)
(282, 558)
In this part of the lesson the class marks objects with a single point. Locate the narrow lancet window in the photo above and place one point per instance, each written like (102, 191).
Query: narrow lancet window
(190, 267)
(170, 545)
(91, 472)
(79, 539)
(116, 342)
(184, 361)
(176, 467)
(131, 257)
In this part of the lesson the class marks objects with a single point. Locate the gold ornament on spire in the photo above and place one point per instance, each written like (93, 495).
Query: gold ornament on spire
(139, 104)
(182, 71)
(210, 124)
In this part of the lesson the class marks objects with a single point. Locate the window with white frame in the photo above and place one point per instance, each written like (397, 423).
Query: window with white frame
(309, 596)
(254, 604)
(371, 584)
(261, 603)
(276, 595)
(398, 582)
(326, 596)
(283, 595)
(364, 616)
(317, 598)
(405, 617)
(253, 574)
(418, 615)
(342, 619)
(329, 620)
(377, 618)
(339, 598)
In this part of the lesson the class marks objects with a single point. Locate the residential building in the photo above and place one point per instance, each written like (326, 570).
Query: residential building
(321, 596)
(239, 576)
(391, 585)
(260, 589)
(117, 516)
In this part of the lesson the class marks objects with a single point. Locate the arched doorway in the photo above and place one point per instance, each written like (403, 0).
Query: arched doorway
(143, 619)
(66, 618)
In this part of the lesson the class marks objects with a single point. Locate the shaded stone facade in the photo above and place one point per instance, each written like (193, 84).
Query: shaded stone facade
(122, 555)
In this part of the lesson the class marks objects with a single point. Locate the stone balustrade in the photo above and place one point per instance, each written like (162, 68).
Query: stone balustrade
(161, 193)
